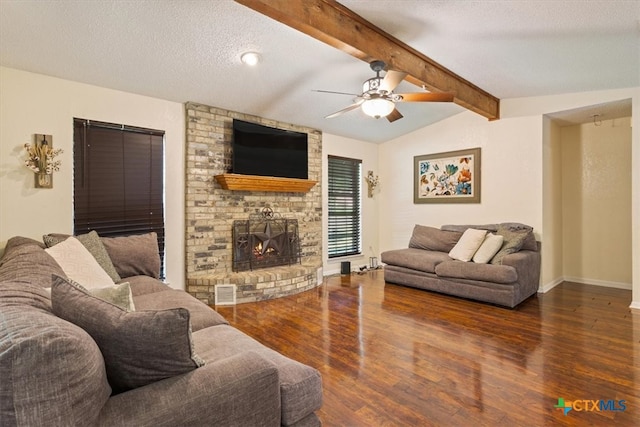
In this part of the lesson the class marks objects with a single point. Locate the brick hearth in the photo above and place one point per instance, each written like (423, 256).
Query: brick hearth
(210, 211)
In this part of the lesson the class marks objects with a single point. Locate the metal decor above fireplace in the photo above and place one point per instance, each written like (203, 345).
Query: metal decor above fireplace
(265, 240)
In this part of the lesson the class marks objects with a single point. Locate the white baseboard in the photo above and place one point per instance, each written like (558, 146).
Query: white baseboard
(597, 282)
(635, 305)
(604, 283)
(331, 271)
(546, 288)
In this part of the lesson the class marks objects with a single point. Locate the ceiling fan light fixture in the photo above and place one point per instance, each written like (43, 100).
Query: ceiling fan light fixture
(378, 107)
(250, 58)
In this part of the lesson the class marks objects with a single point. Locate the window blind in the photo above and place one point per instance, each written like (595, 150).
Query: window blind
(118, 180)
(344, 176)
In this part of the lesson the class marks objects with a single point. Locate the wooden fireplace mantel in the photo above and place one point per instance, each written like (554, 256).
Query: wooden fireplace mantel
(232, 181)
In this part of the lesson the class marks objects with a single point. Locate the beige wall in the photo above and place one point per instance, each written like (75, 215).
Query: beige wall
(368, 153)
(596, 202)
(552, 244)
(32, 103)
(511, 175)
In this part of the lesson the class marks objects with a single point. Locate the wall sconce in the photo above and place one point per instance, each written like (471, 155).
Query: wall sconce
(372, 182)
(40, 159)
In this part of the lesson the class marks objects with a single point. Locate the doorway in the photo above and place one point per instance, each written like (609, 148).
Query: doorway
(588, 196)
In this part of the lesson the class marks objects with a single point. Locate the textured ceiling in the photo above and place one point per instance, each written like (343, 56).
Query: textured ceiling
(189, 50)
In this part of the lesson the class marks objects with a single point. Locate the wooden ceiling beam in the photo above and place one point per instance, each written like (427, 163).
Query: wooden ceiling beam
(340, 27)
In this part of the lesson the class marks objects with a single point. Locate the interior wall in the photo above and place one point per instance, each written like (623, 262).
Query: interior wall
(552, 244)
(511, 170)
(367, 152)
(596, 203)
(36, 104)
(635, 198)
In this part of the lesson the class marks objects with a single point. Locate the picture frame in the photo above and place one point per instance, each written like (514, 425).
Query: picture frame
(448, 177)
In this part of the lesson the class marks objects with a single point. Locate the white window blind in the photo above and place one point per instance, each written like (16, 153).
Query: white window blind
(344, 206)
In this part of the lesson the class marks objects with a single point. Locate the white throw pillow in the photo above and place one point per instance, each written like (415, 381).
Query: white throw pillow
(79, 265)
(489, 247)
(468, 244)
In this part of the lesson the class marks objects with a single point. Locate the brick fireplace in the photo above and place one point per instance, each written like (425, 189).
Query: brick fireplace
(212, 210)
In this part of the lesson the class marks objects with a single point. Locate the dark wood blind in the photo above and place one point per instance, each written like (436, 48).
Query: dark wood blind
(118, 180)
(344, 206)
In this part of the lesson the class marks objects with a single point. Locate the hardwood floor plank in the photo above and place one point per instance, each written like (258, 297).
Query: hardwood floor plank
(396, 356)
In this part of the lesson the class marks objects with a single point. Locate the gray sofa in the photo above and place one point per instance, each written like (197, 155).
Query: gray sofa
(54, 372)
(509, 278)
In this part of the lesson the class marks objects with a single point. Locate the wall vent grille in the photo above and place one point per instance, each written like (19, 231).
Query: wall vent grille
(225, 294)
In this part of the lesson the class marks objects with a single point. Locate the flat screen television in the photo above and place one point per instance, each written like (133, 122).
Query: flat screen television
(266, 151)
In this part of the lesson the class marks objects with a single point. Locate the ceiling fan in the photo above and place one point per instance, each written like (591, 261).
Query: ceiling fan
(377, 98)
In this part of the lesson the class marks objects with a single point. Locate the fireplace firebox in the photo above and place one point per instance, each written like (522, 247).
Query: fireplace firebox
(265, 240)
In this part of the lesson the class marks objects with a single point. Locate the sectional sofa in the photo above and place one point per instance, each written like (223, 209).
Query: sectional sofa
(494, 263)
(135, 352)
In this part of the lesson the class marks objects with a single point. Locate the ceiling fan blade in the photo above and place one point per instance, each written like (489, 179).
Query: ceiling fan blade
(427, 97)
(345, 110)
(337, 93)
(391, 80)
(394, 115)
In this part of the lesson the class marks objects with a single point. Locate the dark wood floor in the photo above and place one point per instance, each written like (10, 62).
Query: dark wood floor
(396, 356)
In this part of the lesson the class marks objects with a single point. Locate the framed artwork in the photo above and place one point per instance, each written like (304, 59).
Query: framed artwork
(450, 177)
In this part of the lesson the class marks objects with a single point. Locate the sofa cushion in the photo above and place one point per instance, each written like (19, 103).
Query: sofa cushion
(78, 264)
(21, 257)
(24, 294)
(300, 385)
(139, 347)
(484, 272)
(489, 247)
(433, 239)
(202, 316)
(52, 373)
(468, 244)
(141, 285)
(94, 245)
(134, 255)
(513, 241)
(416, 259)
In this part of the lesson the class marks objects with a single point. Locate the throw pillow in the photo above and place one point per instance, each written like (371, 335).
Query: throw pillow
(513, 241)
(78, 264)
(489, 247)
(139, 347)
(94, 245)
(462, 228)
(119, 295)
(433, 239)
(530, 243)
(135, 255)
(468, 244)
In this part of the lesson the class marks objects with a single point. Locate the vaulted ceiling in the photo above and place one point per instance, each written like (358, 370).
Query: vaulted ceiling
(189, 50)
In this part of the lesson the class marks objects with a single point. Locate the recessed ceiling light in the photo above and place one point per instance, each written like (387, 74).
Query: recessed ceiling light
(250, 58)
